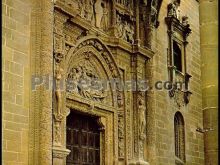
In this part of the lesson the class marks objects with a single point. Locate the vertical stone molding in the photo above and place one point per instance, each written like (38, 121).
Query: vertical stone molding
(42, 65)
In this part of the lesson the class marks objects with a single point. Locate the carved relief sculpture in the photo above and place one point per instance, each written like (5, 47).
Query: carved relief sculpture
(120, 137)
(81, 7)
(83, 81)
(124, 29)
(89, 10)
(119, 26)
(57, 133)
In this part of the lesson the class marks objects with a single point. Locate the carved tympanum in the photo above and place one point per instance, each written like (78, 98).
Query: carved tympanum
(83, 80)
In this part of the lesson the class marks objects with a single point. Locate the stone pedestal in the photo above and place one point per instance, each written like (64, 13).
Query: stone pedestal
(59, 155)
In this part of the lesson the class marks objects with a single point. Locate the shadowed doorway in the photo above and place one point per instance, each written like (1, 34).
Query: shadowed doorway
(83, 140)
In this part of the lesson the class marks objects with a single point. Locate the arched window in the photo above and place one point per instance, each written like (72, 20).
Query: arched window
(177, 56)
(179, 138)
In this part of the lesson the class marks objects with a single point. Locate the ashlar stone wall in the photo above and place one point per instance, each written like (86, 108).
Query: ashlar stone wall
(16, 80)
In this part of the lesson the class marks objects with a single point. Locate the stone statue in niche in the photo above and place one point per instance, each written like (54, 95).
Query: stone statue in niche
(142, 120)
(130, 33)
(104, 21)
(173, 9)
(58, 72)
(98, 12)
(94, 11)
(124, 30)
(119, 27)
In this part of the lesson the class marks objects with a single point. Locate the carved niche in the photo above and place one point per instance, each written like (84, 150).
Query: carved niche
(124, 28)
(178, 31)
(96, 12)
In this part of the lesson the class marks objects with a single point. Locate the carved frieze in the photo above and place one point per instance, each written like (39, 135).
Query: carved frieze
(95, 12)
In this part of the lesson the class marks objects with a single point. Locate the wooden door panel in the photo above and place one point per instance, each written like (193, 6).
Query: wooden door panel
(83, 139)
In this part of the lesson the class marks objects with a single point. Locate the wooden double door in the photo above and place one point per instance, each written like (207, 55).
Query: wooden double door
(83, 140)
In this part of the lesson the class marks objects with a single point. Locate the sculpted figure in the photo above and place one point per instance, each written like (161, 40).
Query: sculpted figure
(125, 31)
(173, 9)
(59, 72)
(84, 84)
(141, 108)
(98, 12)
(119, 27)
(130, 33)
(104, 21)
(185, 20)
(72, 81)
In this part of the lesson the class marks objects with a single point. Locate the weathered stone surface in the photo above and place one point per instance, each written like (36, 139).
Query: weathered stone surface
(103, 39)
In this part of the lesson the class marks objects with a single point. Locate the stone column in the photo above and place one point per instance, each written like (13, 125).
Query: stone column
(209, 56)
(46, 65)
(40, 144)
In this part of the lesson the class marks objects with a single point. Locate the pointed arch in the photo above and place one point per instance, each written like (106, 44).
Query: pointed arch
(92, 53)
(99, 45)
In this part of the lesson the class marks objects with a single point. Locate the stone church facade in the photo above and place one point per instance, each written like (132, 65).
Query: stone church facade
(52, 50)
